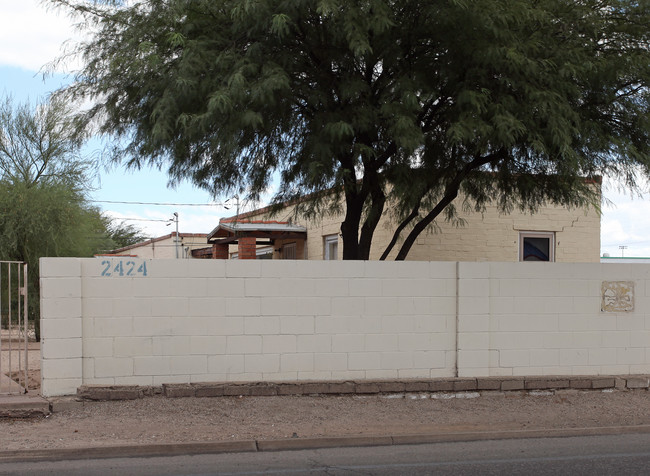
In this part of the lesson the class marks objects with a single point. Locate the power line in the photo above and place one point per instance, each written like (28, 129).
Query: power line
(145, 243)
(141, 219)
(616, 243)
(162, 203)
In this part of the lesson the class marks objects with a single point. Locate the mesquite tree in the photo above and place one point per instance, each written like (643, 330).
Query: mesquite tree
(382, 106)
(44, 180)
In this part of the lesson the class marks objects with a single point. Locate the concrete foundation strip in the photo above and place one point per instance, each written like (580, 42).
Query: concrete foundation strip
(499, 384)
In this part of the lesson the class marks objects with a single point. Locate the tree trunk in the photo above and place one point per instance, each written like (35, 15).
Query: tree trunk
(398, 231)
(371, 222)
(354, 199)
(350, 235)
(451, 192)
(422, 224)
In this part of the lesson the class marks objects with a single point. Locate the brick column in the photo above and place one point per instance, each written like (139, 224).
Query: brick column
(247, 248)
(220, 251)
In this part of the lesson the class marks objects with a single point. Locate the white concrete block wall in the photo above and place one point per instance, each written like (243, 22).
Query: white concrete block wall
(61, 326)
(547, 320)
(195, 320)
(104, 321)
(474, 320)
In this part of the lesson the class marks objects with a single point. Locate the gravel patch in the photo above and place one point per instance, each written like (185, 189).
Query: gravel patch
(183, 420)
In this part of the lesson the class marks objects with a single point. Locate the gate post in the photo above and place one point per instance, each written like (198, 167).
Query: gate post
(13, 314)
(61, 326)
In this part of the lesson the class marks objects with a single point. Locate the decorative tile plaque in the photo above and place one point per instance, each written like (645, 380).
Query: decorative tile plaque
(618, 296)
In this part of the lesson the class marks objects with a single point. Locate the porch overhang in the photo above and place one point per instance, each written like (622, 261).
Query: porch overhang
(250, 234)
(264, 232)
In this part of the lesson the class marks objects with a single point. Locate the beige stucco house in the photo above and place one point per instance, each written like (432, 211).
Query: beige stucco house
(164, 247)
(554, 233)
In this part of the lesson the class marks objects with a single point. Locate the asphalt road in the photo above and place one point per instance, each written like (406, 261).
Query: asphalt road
(620, 454)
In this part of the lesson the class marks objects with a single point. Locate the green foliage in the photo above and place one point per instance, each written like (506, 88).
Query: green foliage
(46, 220)
(43, 179)
(405, 102)
(122, 234)
(12, 278)
(41, 145)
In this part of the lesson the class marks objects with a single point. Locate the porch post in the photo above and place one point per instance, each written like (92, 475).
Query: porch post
(220, 251)
(247, 247)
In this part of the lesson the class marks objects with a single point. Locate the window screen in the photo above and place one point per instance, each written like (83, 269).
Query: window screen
(331, 247)
(289, 251)
(536, 246)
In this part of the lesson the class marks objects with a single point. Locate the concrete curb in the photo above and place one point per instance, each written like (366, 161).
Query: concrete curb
(128, 451)
(251, 446)
(328, 442)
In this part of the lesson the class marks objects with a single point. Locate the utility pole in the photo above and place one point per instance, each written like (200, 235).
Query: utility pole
(622, 248)
(177, 237)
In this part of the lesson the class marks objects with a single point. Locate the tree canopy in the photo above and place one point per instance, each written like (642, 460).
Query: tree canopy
(44, 179)
(401, 102)
(123, 234)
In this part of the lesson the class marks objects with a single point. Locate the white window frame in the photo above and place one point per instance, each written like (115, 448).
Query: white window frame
(329, 240)
(258, 252)
(264, 250)
(550, 235)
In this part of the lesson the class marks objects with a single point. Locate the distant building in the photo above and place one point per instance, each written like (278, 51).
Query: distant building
(255, 239)
(554, 233)
(164, 247)
(627, 259)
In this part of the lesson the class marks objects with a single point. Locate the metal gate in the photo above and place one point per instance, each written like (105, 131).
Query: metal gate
(13, 328)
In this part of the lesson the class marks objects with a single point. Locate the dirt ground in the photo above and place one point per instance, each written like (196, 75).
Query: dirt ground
(17, 358)
(183, 420)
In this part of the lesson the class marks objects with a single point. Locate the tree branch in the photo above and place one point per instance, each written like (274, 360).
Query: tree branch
(451, 192)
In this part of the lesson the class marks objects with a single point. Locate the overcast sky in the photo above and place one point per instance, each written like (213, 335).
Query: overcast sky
(33, 36)
(37, 36)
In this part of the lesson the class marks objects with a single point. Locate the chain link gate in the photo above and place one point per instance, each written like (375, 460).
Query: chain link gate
(13, 328)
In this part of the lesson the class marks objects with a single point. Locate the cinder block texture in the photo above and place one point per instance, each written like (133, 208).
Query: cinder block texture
(154, 322)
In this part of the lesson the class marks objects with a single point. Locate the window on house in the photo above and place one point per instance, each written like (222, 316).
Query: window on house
(289, 251)
(264, 253)
(260, 253)
(536, 246)
(331, 247)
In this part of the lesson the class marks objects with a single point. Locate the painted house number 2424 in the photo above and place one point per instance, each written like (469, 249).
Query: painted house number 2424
(123, 268)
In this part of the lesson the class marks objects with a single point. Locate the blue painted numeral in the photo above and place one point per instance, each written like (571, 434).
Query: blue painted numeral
(105, 271)
(143, 269)
(123, 268)
(119, 268)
